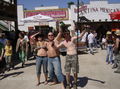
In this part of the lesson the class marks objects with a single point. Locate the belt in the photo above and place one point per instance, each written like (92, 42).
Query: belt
(54, 57)
(71, 55)
(42, 56)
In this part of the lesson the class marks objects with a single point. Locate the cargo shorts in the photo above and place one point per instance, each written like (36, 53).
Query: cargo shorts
(71, 63)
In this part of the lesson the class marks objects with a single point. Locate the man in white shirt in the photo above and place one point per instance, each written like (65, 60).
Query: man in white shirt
(91, 42)
(84, 37)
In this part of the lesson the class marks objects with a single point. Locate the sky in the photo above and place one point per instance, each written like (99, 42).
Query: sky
(31, 4)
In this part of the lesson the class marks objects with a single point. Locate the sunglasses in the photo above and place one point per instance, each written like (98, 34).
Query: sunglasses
(50, 35)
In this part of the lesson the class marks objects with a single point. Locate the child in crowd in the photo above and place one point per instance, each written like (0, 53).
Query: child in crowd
(8, 54)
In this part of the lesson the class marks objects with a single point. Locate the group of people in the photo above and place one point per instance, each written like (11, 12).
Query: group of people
(89, 38)
(46, 52)
(48, 55)
(113, 49)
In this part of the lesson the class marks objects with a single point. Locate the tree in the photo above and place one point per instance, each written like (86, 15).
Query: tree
(70, 3)
(25, 8)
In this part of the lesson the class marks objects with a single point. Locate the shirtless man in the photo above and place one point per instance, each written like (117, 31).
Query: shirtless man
(71, 58)
(54, 65)
(117, 53)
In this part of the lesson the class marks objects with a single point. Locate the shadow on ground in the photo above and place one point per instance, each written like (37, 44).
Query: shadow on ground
(26, 65)
(82, 81)
(11, 74)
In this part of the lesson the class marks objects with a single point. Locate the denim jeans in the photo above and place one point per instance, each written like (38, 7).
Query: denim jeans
(109, 57)
(91, 47)
(39, 62)
(8, 61)
(54, 66)
(95, 43)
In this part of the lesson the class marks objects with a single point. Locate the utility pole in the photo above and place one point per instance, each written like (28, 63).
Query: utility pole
(78, 11)
(77, 30)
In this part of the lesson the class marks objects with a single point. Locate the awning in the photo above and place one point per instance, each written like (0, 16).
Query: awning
(3, 28)
(115, 15)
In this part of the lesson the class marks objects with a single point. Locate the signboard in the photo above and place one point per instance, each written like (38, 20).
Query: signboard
(85, 9)
(58, 14)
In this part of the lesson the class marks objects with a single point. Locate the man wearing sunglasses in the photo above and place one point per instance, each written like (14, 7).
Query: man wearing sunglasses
(54, 64)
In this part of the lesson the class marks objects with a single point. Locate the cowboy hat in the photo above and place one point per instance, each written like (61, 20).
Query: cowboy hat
(108, 33)
(117, 32)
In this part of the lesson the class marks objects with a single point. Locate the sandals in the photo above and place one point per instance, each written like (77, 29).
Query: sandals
(52, 83)
(46, 82)
(38, 84)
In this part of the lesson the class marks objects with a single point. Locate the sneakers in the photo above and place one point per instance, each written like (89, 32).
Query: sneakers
(108, 62)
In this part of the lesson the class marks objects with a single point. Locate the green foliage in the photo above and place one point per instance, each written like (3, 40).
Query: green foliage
(70, 3)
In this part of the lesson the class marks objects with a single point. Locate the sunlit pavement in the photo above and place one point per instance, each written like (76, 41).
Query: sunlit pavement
(94, 74)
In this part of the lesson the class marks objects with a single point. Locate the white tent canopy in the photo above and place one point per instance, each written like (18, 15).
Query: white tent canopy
(37, 18)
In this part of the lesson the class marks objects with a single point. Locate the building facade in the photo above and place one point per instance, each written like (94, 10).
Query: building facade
(8, 15)
(95, 11)
(53, 11)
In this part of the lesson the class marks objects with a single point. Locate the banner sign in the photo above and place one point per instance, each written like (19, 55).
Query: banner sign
(58, 14)
(86, 9)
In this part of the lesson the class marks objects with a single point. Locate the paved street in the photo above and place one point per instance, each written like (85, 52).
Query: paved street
(94, 74)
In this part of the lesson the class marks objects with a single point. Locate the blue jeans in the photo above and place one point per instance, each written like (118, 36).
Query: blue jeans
(109, 57)
(91, 47)
(8, 61)
(39, 62)
(95, 43)
(54, 66)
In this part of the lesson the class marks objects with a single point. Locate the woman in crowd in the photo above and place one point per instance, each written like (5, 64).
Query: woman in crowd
(21, 48)
(41, 58)
(109, 45)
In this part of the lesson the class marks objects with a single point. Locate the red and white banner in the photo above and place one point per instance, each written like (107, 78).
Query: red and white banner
(58, 14)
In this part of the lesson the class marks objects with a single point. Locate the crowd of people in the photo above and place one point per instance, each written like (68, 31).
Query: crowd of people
(113, 49)
(46, 52)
